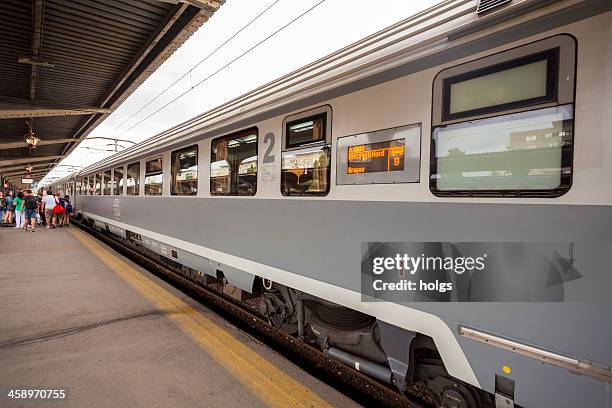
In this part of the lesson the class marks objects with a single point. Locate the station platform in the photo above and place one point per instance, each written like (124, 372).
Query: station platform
(76, 316)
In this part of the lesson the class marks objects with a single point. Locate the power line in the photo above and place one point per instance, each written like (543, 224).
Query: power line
(227, 65)
(198, 64)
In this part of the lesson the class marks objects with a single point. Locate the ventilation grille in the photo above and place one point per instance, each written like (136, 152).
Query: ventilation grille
(486, 5)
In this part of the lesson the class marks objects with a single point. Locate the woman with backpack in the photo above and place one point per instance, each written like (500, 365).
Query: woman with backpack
(10, 208)
(69, 209)
(19, 207)
(58, 210)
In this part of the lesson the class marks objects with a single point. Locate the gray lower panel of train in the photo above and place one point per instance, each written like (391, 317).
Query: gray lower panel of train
(328, 249)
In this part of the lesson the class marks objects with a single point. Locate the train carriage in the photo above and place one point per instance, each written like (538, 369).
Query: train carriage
(454, 125)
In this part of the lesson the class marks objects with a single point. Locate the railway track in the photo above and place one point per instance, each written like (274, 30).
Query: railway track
(347, 380)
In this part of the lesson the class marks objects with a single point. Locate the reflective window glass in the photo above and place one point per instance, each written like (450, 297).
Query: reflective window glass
(118, 180)
(520, 152)
(107, 182)
(184, 165)
(306, 130)
(133, 179)
(306, 171)
(98, 185)
(153, 182)
(521, 82)
(233, 168)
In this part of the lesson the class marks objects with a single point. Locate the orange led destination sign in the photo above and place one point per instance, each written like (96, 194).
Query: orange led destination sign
(376, 157)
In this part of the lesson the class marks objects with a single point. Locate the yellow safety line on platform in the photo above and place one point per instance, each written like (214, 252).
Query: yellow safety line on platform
(266, 381)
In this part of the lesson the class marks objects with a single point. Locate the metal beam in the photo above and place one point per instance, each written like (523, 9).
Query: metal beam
(23, 59)
(201, 4)
(21, 166)
(30, 159)
(17, 145)
(37, 26)
(27, 175)
(11, 108)
(23, 172)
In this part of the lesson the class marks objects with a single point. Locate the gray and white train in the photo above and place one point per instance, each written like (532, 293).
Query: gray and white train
(458, 124)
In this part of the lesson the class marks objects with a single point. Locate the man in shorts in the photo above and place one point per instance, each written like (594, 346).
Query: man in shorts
(31, 210)
(48, 205)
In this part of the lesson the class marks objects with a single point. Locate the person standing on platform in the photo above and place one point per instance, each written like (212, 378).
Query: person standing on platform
(58, 210)
(41, 212)
(48, 204)
(10, 208)
(1, 206)
(69, 209)
(19, 207)
(31, 210)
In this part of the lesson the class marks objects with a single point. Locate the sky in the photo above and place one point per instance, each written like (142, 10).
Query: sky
(331, 25)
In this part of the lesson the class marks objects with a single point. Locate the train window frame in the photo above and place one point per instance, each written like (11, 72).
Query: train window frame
(303, 117)
(118, 185)
(98, 181)
(106, 184)
(136, 179)
(173, 182)
(234, 135)
(153, 173)
(565, 46)
(323, 144)
(551, 56)
(313, 118)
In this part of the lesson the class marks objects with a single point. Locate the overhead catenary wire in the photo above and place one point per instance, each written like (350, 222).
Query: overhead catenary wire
(198, 64)
(226, 65)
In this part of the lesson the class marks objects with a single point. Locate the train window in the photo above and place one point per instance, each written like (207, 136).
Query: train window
(133, 179)
(522, 153)
(305, 130)
(153, 177)
(118, 181)
(306, 156)
(233, 164)
(520, 82)
(306, 171)
(184, 165)
(89, 185)
(98, 184)
(503, 125)
(107, 182)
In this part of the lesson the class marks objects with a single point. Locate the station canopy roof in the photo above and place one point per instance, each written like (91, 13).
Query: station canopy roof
(65, 65)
